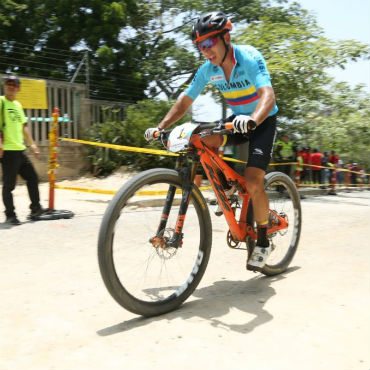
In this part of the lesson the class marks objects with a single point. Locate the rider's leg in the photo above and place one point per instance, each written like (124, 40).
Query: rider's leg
(213, 141)
(254, 178)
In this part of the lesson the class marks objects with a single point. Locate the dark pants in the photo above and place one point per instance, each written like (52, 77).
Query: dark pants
(316, 176)
(284, 168)
(16, 162)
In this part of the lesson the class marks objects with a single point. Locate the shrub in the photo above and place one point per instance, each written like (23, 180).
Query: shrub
(130, 132)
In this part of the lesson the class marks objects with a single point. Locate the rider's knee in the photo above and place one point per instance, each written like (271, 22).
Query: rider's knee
(254, 183)
(213, 141)
(255, 187)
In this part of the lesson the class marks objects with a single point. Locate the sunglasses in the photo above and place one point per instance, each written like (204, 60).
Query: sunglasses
(207, 43)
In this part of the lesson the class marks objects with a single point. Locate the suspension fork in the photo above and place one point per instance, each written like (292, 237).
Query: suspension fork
(187, 177)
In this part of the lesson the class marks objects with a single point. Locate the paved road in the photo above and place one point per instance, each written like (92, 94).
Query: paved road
(55, 312)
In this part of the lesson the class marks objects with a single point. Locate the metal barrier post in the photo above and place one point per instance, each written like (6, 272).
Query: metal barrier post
(297, 177)
(333, 181)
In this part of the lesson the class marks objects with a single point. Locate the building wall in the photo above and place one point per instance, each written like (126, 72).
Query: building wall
(71, 160)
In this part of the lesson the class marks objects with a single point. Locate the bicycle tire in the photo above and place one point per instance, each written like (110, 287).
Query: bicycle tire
(284, 198)
(152, 300)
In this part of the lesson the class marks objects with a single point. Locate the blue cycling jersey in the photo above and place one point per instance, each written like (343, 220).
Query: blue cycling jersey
(248, 75)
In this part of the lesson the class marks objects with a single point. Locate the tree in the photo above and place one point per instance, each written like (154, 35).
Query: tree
(343, 125)
(315, 109)
(172, 59)
(40, 39)
(298, 56)
(129, 132)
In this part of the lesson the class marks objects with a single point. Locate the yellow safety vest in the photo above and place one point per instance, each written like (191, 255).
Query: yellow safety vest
(286, 150)
(299, 163)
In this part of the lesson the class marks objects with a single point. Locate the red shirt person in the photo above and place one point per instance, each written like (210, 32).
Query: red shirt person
(333, 158)
(306, 156)
(316, 160)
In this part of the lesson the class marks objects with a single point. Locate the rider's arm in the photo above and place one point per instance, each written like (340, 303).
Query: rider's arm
(265, 104)
(176, 112)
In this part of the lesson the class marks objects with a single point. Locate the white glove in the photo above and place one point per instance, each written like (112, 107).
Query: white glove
(149, 133)
(243, 124)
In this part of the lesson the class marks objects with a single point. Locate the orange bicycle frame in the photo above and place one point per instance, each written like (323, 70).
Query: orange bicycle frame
(213, 165)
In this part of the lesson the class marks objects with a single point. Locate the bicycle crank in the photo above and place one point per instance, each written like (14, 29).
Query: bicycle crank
(233, 244)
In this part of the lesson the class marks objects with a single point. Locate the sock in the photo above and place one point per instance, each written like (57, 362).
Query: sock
(262, 240)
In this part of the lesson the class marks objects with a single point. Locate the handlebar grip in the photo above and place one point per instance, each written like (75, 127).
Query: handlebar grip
(156, 134)
(229, 125)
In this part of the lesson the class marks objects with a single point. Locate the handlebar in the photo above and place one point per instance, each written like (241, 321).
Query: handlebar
(209, 129)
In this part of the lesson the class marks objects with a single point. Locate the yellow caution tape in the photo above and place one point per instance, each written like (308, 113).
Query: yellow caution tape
(86, 190)
(121, 147)
(164, 152)
(111, 192)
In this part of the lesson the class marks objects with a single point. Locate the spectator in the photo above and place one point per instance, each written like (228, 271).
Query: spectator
(340, 177)
(333, 163)
(14, 161)
(316, 160)
(362, 177)
(325, 172)
(333, 158)
(299, 160)
(284, 153)
(354, 168)
(306, 174)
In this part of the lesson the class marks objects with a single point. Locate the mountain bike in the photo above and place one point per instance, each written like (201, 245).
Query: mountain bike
(156, 234)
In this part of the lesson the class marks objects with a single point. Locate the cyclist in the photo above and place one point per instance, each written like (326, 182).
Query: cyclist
(240, 73)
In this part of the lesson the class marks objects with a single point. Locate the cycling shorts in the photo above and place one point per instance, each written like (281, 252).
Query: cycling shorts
(261, 143)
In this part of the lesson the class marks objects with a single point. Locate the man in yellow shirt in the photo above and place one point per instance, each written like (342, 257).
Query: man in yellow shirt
(14, 161)
(284, 153)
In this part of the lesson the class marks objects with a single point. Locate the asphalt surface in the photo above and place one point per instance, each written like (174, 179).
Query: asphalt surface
(55, 312)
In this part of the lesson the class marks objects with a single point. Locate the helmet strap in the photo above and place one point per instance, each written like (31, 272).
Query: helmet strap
(226, 49)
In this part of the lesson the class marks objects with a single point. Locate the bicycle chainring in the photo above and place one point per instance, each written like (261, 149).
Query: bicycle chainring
(233, 244)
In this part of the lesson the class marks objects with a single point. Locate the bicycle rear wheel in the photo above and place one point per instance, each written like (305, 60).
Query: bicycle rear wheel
(284, 200)
(143, 278)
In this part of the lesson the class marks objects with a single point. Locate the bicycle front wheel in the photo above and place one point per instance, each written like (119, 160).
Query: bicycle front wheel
(284, 201)
(150, 278)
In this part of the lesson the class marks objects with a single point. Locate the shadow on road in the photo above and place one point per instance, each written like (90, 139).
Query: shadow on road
(216, 301)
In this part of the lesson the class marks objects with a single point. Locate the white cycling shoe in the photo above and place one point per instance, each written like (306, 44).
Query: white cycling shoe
(258, 258)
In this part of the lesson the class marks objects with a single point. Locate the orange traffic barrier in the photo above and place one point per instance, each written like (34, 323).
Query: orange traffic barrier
(53, 144)
(333, 181)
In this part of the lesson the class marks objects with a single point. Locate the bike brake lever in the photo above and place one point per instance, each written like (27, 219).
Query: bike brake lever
(222, 131)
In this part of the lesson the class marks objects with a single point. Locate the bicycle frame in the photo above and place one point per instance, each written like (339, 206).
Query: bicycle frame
(213, 165)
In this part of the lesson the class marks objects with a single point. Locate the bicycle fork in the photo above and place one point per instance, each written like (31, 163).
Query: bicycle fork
(175, 241)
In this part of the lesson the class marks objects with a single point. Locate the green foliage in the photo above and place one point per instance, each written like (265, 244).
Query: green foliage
(37, 34)
(298, 57)
(9, 11)
(130, 132)
(137, 51)
(317, 111)
(344, 125)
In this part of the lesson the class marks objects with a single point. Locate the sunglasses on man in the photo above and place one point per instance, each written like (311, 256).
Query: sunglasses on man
(207, 43)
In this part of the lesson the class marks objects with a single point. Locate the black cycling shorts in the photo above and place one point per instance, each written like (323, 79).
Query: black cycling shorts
(261, 143)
